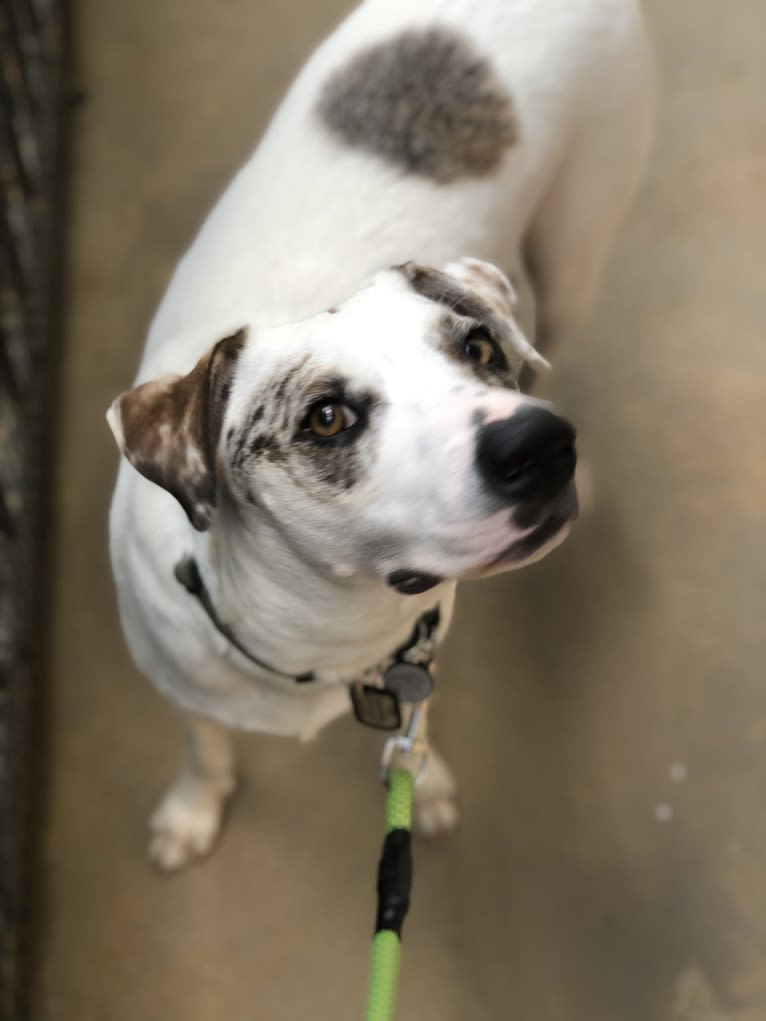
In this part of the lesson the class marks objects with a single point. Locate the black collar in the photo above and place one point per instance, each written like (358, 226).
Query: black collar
(417, 648)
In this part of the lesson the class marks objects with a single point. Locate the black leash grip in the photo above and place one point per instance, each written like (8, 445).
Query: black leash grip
(394, 881)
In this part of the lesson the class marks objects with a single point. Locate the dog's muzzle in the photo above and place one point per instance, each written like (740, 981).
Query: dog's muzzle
(527, 459)
(527, 464)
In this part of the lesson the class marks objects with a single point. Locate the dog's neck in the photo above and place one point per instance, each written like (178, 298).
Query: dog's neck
(293, 613)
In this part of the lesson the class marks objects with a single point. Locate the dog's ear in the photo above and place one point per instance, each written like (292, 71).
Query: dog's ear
(476, 288)
(169, 429)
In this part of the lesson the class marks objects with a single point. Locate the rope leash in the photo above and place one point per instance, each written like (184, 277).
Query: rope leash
(394, 880)
(404, 758)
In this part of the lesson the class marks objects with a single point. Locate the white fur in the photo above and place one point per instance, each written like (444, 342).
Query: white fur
(302, 226)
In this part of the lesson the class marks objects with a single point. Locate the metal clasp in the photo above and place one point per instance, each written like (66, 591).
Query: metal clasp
(406, 751)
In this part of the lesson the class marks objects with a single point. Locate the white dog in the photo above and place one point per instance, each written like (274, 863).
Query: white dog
(327, 429)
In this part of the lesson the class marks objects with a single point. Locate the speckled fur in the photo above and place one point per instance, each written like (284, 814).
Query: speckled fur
(170, 428)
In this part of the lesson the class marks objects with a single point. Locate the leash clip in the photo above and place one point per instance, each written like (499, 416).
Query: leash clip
(406, 751)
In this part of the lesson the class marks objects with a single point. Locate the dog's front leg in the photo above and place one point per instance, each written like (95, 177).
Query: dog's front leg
(187, 820)
(434, 804)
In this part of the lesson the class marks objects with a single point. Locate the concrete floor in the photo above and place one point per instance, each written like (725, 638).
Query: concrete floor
(575, 695)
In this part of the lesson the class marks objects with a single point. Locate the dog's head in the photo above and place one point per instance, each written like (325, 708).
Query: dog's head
(386, 437)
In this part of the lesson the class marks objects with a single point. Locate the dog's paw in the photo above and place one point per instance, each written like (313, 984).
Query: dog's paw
(435, 815)
(184, 826)
(434, 807)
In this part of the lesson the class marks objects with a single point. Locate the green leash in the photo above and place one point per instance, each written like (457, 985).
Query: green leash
(394, 880)
(404, 759)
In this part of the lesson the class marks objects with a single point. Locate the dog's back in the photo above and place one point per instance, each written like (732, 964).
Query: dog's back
(429, 131)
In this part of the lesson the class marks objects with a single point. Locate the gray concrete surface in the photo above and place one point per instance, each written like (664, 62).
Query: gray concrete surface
(568, 692)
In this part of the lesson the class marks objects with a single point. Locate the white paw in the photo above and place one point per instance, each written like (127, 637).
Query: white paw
(434, 807)
(435, 815)
(184, 826)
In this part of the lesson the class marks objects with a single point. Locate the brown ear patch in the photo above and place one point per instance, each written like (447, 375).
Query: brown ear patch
(445, 289)
(477, 290)
(169, 428)
(424, 101)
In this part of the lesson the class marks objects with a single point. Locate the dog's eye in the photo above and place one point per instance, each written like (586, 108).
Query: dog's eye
(327, 418)
(482, 349)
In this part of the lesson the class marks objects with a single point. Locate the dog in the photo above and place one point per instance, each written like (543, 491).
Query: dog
(326, 432)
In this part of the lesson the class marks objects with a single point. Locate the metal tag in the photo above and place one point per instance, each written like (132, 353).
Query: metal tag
(410, 682)
(376, 707)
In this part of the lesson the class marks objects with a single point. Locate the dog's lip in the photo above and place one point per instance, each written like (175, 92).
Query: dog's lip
(412, 582)
(563, 514)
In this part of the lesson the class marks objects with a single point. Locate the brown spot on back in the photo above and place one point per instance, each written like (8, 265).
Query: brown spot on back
(424, 101)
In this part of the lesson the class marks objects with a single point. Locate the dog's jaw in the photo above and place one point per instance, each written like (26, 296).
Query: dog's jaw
(297, 614)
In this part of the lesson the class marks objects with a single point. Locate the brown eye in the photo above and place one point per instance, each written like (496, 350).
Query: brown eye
(327, 419)
(480, 348)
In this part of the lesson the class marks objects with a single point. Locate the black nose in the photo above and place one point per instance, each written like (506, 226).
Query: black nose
(529, 456)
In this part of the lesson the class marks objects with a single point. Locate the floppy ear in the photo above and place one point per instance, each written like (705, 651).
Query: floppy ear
(169, 429)
(473, 287)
